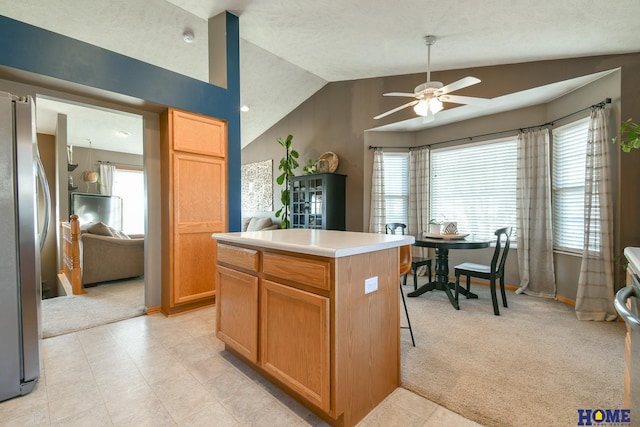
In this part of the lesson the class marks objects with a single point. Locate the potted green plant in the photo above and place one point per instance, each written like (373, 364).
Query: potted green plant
(288, 165)
(311, 167)
(629, 136)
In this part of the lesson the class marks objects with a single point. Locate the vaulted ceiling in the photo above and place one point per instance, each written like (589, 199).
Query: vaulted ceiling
(292, 48)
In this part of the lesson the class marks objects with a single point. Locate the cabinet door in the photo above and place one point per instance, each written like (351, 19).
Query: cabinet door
(316, 203)
(295, 340)
(298, 202)
(237, 311)
(199, 134)
(199, 210)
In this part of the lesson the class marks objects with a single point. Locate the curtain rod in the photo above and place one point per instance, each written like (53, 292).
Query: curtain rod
(106, 162)
(470, 138)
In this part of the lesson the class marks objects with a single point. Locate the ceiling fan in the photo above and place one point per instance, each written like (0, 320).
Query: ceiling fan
(429, 96)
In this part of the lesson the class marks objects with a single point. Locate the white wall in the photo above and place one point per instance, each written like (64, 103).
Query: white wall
(136, 28)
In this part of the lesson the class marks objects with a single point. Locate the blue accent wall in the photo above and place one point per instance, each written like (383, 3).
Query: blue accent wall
(29, 48)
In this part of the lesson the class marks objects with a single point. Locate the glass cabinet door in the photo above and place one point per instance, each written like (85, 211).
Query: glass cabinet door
(315, 199)
(318, 201)
(298, 204)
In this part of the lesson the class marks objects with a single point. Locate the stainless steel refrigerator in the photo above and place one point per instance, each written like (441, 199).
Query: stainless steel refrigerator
(21, 178)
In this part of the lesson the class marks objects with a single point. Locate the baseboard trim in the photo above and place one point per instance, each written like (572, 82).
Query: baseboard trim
(62, 278)
(152, 310)
(566, 300)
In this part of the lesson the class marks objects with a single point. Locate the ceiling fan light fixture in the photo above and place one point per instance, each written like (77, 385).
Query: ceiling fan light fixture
(424, 108)
(429, 95)
(421, 108)
(435, 105)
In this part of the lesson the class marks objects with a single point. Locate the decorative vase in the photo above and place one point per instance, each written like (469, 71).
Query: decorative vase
(90, 177)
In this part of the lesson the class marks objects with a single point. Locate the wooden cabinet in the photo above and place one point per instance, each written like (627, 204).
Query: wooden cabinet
(305, 323)
(194, 205)
(237, 311)
(318, 201)
(295, 340)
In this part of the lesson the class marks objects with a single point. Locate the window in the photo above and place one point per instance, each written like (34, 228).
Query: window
(129, 185)
(475, 185)
(396, 187)
(568, 178)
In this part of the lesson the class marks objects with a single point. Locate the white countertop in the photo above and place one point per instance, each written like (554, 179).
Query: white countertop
(327, 243)
(633, 255)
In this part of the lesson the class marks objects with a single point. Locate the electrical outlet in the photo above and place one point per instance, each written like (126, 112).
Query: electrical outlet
(371, 285)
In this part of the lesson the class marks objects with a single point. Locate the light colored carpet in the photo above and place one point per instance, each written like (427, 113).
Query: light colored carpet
(102, 304)
(534, 365)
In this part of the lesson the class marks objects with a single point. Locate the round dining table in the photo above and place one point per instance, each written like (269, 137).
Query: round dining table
(442, 245)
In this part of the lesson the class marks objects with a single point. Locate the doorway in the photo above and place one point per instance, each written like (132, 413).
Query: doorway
(77, 139)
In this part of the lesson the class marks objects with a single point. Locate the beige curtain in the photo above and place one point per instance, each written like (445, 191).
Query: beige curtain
(377, 215)
(419, 198)
(106, 178)
(533, 212)
(595, 284)
(418, 191)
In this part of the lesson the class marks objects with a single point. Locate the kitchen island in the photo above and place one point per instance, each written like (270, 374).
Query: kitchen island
(316, 312)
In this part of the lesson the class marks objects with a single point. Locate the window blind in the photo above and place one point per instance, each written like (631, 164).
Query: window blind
(475, 185)
(568, 177)
(396, 187)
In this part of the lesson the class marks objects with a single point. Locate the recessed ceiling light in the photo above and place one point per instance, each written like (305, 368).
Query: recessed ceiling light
(244, 108)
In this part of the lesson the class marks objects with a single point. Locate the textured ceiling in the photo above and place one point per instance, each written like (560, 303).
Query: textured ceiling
(291, 48)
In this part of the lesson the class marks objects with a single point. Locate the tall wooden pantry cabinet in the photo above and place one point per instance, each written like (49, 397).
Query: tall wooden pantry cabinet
(194, 205)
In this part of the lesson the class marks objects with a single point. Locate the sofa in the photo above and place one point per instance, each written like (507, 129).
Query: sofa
(259, 223)
(108, 254)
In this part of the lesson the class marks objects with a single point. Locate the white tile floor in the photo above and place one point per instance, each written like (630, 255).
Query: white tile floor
(158, 371)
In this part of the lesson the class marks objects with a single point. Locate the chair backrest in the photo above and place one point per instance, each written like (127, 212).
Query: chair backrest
(392, 227)
(502, 249)
(405, 259)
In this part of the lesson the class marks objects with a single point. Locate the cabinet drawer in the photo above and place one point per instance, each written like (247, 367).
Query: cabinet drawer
(312, 272)
(239, 257)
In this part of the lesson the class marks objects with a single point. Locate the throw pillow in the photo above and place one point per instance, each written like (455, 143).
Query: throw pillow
(245, 222)
(257, 224)
(86, 226)
(100, 228)
(118, 234)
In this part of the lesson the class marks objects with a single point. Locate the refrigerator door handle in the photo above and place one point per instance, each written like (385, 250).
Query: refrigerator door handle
(47, 198)
(620, 303)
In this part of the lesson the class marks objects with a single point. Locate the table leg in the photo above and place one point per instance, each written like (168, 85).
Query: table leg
(441, 282)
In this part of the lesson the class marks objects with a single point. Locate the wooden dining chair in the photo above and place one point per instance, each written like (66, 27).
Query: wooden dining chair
(416, 262)
(405, 268)
(492, 272)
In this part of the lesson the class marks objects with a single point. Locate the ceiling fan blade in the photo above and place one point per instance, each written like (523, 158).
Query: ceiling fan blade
(410, 95)
(457, 99)
(457, 85)
(408, 104)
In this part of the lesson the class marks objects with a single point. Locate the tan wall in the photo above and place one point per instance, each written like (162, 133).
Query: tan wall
(336, 119)
(48, 256)
(82, 156)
